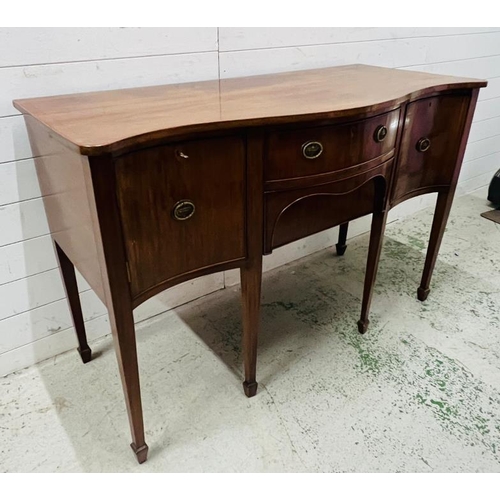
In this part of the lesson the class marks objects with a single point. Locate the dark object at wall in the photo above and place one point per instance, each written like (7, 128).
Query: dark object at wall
(494, 190)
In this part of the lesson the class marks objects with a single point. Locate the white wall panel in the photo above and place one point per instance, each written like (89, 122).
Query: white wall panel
(34, 291)
(18, 181)
(50, 345)
(484, 129)
(40, 322)
(26, 258)
(481, 67)
(487, 109)
(265, 38)
(14, 142)
(491, 91)
(390, 53)
(483, 165)
(21, 221)
(27, 46)
(481, 148)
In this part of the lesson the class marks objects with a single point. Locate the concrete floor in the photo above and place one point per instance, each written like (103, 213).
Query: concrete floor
(419, 392)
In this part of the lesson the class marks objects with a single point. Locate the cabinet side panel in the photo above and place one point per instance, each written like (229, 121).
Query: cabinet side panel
(63, 176)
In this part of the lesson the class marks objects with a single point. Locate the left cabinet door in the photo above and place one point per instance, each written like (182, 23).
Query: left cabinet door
(183, 210)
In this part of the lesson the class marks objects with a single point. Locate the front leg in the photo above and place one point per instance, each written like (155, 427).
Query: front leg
(118, 297)
(443, 207)
(251, 279)
(123, 330)
(376, 239)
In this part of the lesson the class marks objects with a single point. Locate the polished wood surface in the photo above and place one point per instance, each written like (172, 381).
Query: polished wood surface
(99, 122)
(150, 184)
(440, 120)
(444, 201)
(71, 287)
(294, 214)
(251, 271)
(343, 146)
(118, 295)
(66, 187)
(147, 188)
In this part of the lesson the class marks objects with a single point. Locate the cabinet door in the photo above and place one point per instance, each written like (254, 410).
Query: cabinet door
(182, 208)
(432, 132)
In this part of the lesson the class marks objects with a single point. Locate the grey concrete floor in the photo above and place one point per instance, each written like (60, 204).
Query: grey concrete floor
(419, 392)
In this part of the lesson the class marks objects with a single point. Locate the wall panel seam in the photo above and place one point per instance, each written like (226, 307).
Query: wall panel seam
(78, 61)
(372, 40)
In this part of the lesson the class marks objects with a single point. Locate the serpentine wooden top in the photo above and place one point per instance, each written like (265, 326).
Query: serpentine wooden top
(100, 122)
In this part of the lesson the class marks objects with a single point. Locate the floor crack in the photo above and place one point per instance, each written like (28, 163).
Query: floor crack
(290, 440)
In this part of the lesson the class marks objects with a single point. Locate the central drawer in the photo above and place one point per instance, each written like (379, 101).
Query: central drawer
(294, 214)
(182, 208)
(305, 152)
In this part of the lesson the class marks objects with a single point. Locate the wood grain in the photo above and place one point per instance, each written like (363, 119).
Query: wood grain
(294, 214)
(100, 122)
(344, 146)
(63, 178)
(440, 120)
(151, 182)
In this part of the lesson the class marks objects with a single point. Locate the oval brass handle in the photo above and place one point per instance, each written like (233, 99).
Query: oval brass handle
(423, 144)
(312, 149)
(183, 210)
(380, 133)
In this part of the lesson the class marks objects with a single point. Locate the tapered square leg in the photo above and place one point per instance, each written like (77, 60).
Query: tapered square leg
(251, 279)
(251, 272)
(250, 388)
(141, 453)
(341, 244)
(376, 240)
(123, 330)
(422, 293)
(85, 354)
(363, 325)
(119, 298)
(443, 207)
(70, 284)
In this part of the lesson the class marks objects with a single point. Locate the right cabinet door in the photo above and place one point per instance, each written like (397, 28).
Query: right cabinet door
(433, 129)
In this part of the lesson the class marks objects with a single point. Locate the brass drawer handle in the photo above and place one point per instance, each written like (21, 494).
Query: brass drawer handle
(183, 210)
(380, 133)
(312, 149)
(423, 144)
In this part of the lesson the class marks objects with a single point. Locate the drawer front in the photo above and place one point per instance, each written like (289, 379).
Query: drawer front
(429, 148)
(311, 151)
(291, 215)
(182, 208)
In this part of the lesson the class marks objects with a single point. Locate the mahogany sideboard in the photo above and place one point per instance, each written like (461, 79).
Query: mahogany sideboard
(146, 188)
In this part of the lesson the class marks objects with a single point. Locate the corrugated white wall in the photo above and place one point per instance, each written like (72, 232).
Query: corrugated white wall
(34, 318)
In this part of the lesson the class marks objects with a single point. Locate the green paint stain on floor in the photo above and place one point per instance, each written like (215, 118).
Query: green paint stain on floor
(416, 243)
(424, 381)
(462, 410)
